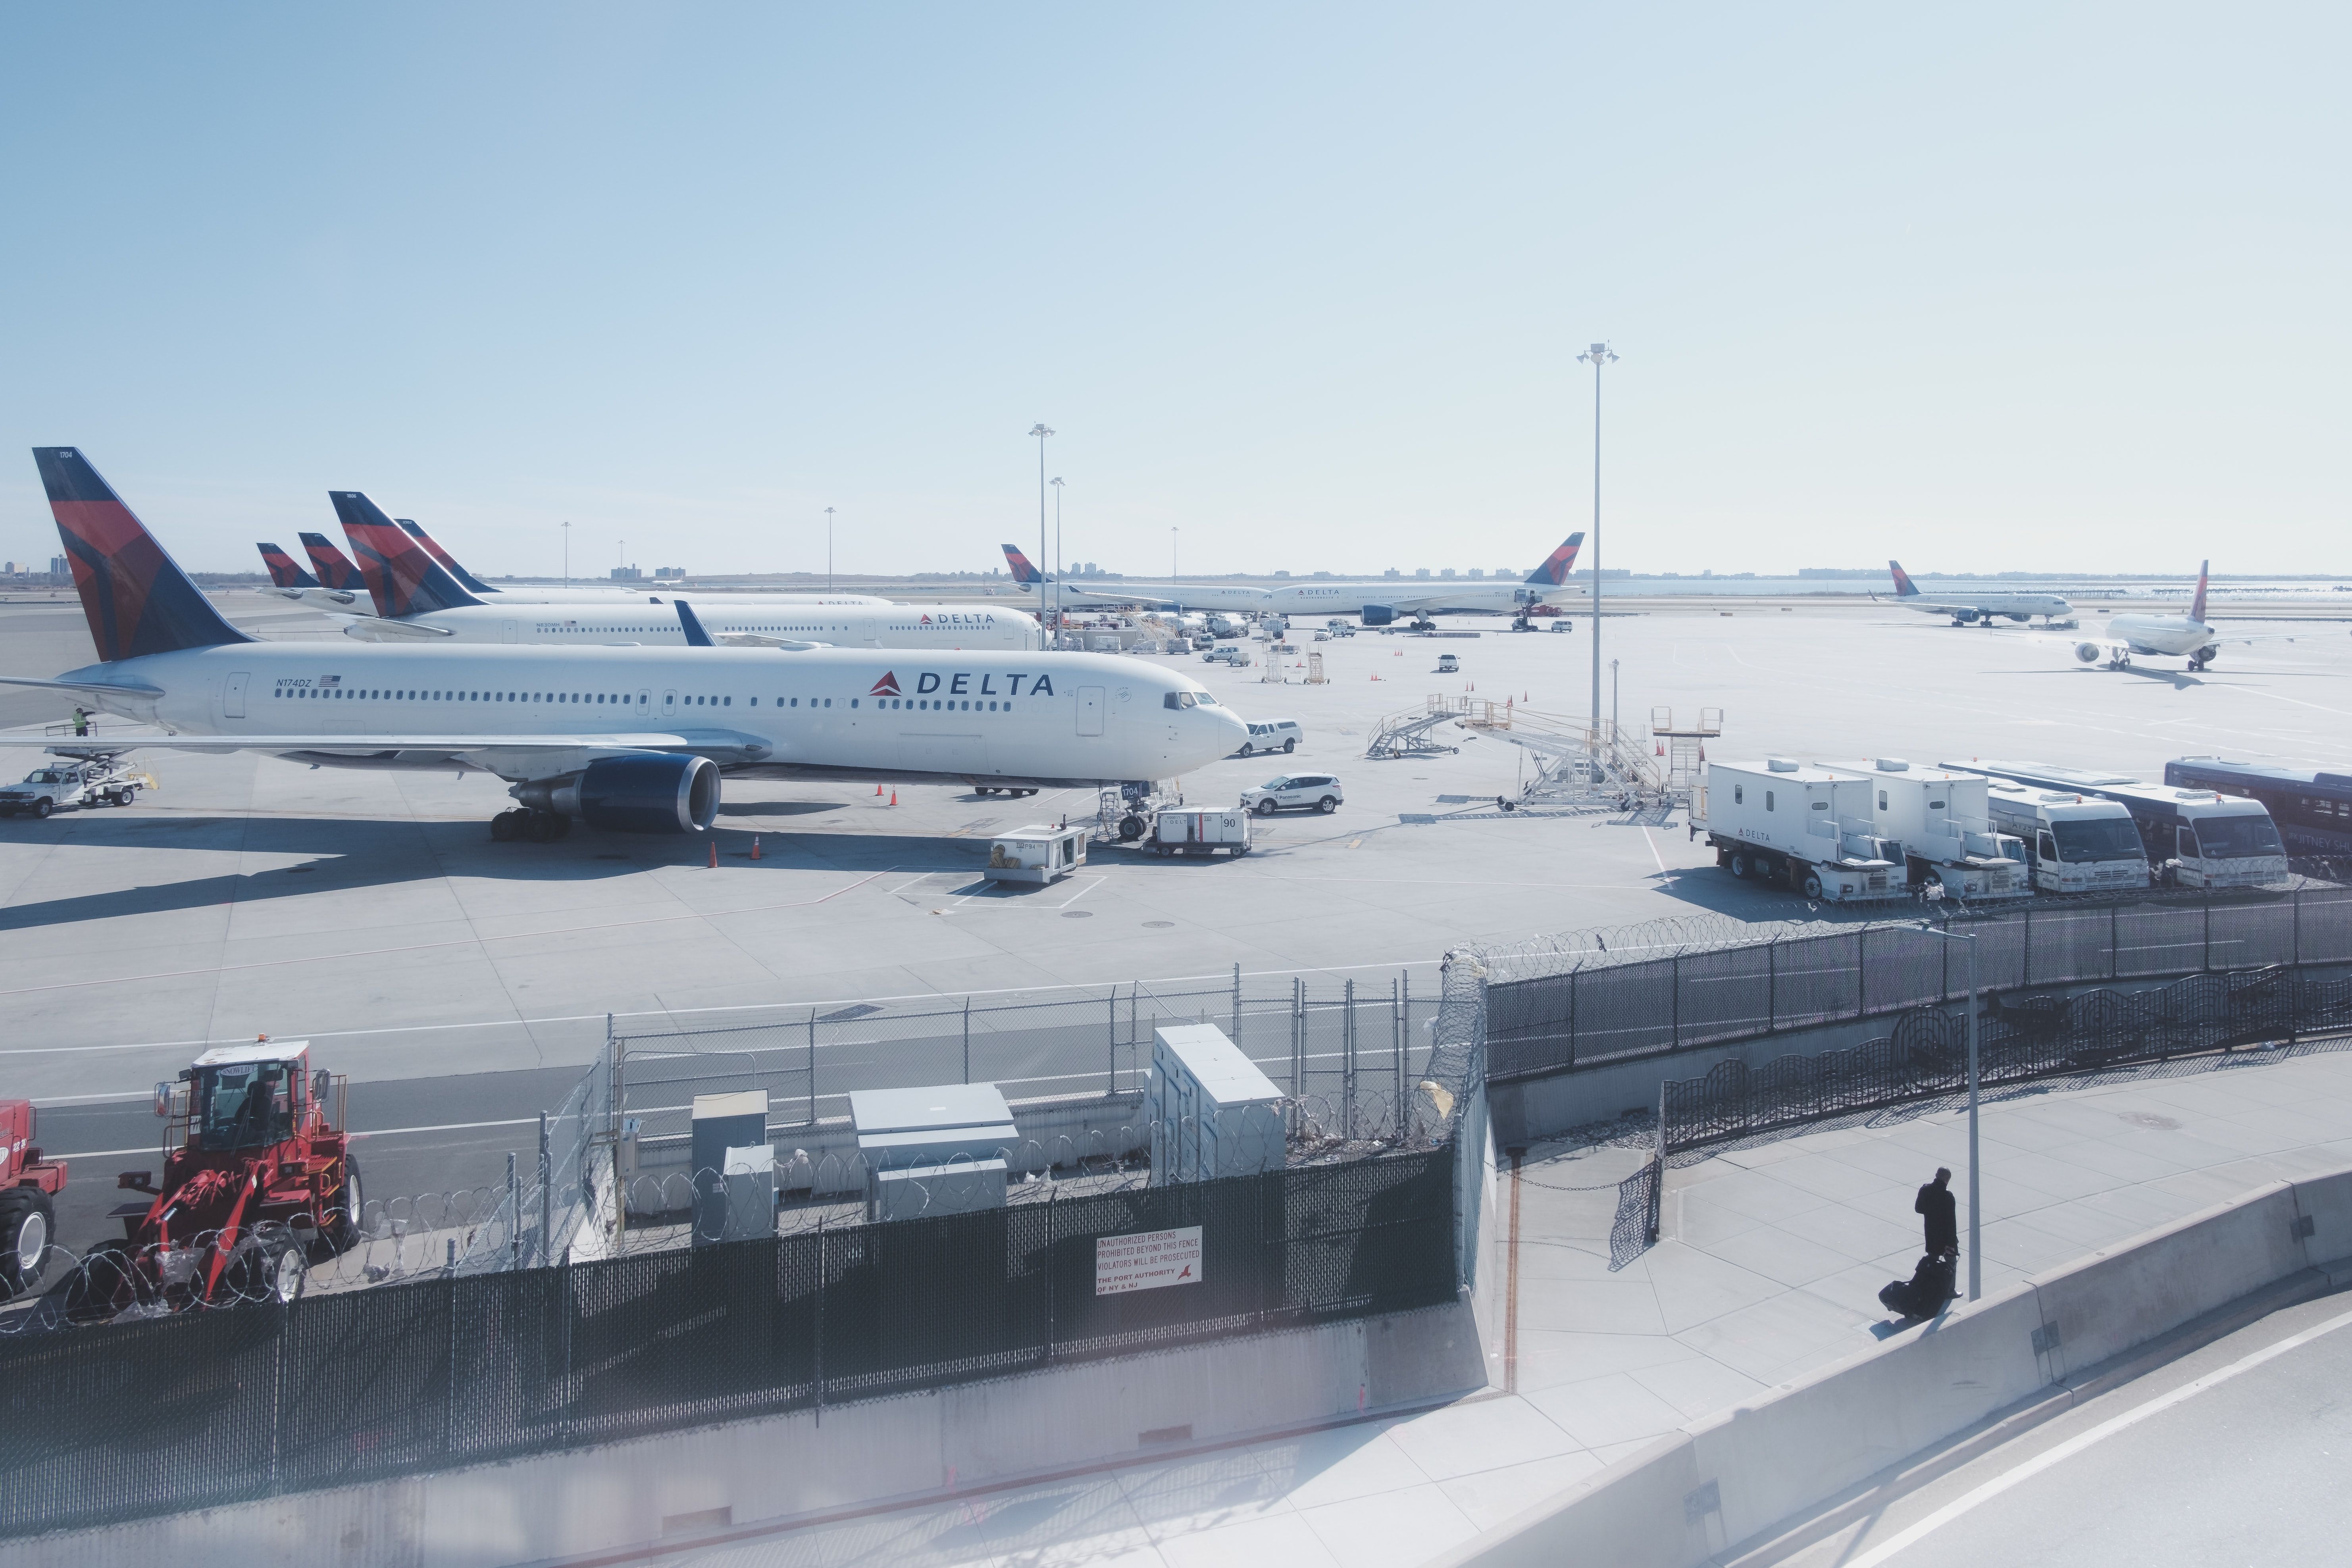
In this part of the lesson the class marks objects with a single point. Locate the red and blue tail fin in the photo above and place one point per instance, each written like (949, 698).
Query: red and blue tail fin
(401, 577)
(334, 571)
(1027, 575)
(1904, 587)
(1558, 564)
(283, 571)
(466, 579)
(138, 600)
(2197, 605)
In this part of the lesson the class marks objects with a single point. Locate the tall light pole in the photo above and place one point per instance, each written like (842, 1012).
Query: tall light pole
(1057, 551)
(828, 550)
(1976, 1205)
(567, 554)
(1041, 430)
(1172, 555)
(1596, 356)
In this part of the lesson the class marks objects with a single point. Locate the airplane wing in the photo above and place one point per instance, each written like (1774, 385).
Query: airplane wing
(755, 639)
(1930, 607)
(495, 753)
(387, 628)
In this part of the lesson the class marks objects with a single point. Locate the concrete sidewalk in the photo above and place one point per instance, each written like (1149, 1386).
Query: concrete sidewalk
(1770, 1262)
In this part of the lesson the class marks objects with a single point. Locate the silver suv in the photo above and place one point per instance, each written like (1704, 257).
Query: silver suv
(1316, 791)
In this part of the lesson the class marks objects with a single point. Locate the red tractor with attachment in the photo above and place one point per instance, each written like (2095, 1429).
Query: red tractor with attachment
(27, 1182)
(257, 1180)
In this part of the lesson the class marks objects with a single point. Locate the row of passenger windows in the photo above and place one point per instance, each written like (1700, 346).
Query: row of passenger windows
(622, 698)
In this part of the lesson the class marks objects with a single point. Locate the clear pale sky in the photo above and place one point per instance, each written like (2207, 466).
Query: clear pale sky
(1986, 289)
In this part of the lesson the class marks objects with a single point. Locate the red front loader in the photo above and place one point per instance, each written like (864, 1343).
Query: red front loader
(258, 1177)
(27, 1182)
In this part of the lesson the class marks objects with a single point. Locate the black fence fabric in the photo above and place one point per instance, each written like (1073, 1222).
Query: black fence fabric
(1925, 1055)
(1645, 1007)
(200, 1409)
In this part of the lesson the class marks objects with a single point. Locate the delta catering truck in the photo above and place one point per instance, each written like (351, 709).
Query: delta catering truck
(1810, 826)
(1940, 820)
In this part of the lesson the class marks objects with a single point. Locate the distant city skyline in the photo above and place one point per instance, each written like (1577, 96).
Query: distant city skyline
(2055, 289)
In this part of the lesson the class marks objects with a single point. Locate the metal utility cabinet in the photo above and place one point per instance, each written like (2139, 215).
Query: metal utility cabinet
(931, 1152)
(734, 1169)
(1937, 823)
(1213, 1113)
(1809, 825)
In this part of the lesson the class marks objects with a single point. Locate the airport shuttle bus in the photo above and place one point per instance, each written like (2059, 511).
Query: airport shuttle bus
(2197, 837)
(2312, 810)
(2075, 842)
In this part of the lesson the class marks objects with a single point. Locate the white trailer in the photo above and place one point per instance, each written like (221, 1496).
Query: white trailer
(2075, 842)
(1944, 829)
(1040, 853)
(1808, 825)
(1201, 830)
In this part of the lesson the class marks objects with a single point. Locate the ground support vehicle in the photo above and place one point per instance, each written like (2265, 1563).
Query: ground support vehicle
(1306, 792)
(2193, 837)
(2074, 843)
(1201, 830)
(1231, 653)
(258, 1176)
(1041, 853)
(1937, 820)
(1273, 735)
(1448, 664)
(2312, 808)
(28, 1183)
(1808, 825)
(74, 784)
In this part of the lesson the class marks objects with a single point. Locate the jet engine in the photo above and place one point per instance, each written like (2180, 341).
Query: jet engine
(2209, 655)
(632, 795)
(1379, 616)
(2089, 652)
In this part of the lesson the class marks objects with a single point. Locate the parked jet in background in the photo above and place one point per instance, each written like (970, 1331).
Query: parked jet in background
(417, 599)
(2177, 637)
(1379, 603)
(672, 720)
(1983, 609)
(288, 581)
(529, 594)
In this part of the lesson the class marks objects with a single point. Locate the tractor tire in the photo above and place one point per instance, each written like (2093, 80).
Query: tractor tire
(268, 1267)
(106, 1282)
(346, 1228)
(284, 1270)
(28, 1220)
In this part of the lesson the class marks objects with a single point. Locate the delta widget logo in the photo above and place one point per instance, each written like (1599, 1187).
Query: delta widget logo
(888, 686)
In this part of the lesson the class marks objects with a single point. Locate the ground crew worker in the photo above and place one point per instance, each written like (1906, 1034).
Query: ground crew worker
(1940, 1213)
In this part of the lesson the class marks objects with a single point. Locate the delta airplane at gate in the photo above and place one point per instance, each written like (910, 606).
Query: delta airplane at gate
(628, 739)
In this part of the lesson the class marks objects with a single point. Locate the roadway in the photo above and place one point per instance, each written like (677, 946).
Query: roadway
(2237, 1453)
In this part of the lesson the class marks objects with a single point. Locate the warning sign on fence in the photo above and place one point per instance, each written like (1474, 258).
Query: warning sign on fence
(1147, 1260)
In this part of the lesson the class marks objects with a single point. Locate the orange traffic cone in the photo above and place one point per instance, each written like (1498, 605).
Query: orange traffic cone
(878, 791)
(894, 798)
(714, 853)
(755, 847)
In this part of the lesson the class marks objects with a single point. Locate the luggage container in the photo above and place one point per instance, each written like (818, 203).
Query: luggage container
(1202, 830)
(1041, 853)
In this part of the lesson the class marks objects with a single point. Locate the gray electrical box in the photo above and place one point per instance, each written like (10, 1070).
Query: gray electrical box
(919, 1143)
(1212, 1112)
(726, 1128)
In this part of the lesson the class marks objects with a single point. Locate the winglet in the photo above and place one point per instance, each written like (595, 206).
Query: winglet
(401, 577)
(1558, 564)
(466, 579)
(136, 598)
(1904, 587)
(691, 624)
(283, 571)
(2197, 606)
(1024, 573)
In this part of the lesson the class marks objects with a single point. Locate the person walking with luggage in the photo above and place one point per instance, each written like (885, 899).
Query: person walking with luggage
(1940, 1213)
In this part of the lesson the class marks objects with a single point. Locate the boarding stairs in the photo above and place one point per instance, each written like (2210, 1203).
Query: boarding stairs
(1414, 732)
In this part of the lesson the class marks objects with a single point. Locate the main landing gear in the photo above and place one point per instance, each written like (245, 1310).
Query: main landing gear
(1001, 789)
(538, 827)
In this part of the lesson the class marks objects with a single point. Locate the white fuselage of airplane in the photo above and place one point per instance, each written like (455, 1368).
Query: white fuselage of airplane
(1052, 718)
(2173, 635)
(1409, 597)
(1988, 607)
(333, 599)
(947, 626)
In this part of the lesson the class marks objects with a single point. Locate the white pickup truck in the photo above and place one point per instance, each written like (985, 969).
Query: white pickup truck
(67, 786)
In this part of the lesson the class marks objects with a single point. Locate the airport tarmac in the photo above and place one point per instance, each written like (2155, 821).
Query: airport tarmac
(372, 912)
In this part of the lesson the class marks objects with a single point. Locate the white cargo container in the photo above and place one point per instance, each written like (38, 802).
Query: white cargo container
(1944, 829)
(1039, 853)
(1199, 830)
(2074, 843)
(1809, 825)
(1213, 1113)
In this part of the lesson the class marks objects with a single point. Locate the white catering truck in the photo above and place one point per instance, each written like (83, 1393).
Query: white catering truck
(1810, 826)
(1946, 834)
(2075, 842)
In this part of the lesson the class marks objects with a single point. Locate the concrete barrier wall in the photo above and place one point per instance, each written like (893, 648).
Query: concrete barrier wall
(672, 1491)
(1728, 1477)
